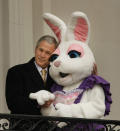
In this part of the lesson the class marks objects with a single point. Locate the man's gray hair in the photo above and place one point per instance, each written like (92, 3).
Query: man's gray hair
(49, 39)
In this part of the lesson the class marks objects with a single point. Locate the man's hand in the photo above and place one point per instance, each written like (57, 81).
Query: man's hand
(47, 103)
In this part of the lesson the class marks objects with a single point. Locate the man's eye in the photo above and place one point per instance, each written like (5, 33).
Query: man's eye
(48, 53)
(74, 54)
(40, 49)
(53, 57)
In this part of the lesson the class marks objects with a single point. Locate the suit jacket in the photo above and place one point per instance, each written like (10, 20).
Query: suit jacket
(20, 82)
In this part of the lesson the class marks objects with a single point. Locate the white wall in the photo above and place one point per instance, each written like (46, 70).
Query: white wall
(39, 26)
(20, 31)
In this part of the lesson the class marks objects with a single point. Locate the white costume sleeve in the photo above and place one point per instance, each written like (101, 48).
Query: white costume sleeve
(92, 104)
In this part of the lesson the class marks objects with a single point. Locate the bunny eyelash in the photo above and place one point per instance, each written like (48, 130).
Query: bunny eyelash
(77, 52)
(77, 48)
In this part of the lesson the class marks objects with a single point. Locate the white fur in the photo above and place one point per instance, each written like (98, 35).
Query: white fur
(92, 104)
(58, 23)
(81, 68)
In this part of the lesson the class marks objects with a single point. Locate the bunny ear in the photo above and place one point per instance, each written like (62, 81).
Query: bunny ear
(79, 27)
(56, 24)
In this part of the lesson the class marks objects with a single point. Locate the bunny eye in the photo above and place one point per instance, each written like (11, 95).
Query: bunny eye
(74, 54)
(53, 57)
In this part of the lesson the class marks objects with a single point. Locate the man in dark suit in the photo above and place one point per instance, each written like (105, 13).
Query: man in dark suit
(26, 78)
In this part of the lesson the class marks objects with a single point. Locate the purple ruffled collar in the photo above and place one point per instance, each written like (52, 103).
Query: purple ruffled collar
(89, 83)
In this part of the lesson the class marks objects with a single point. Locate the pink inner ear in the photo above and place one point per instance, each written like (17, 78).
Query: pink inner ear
(81, 30)
(55, 29)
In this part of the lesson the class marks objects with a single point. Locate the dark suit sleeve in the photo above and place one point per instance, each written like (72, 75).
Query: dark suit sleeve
(18, 102)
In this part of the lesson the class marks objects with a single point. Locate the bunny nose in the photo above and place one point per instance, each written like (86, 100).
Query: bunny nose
(57, 63)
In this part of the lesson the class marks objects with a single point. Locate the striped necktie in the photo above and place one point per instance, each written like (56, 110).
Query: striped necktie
(43, 74)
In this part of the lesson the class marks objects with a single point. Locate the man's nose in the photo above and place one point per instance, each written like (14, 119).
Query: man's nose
(42, 54)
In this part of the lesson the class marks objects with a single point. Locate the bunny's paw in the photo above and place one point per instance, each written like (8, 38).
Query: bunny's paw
(42, 96)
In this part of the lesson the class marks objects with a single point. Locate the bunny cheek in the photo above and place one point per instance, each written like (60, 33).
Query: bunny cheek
(59, 77)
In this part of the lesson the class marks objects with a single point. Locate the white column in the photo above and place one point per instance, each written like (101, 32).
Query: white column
(4, 52)
(16, 39)
(20, 31)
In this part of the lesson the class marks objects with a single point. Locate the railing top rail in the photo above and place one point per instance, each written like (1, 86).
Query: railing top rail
(64, 119)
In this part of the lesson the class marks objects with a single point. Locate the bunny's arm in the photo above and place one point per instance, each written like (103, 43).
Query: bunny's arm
(92, 105)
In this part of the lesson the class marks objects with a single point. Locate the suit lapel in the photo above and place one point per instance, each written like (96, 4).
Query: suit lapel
(49, 81)
(36, 77)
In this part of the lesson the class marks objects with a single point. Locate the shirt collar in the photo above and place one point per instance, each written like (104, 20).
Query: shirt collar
(38, 67)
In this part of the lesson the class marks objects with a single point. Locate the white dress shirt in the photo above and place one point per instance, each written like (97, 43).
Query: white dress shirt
(40, 69)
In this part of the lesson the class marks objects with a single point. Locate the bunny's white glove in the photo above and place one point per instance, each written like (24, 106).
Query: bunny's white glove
(42, 96)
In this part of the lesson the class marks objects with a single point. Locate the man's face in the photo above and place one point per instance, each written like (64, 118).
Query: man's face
(43, 53)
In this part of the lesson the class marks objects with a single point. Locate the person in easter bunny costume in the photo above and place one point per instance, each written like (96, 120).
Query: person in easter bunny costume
(79, 92)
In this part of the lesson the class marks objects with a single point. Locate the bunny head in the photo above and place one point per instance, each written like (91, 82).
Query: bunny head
(73, 60)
